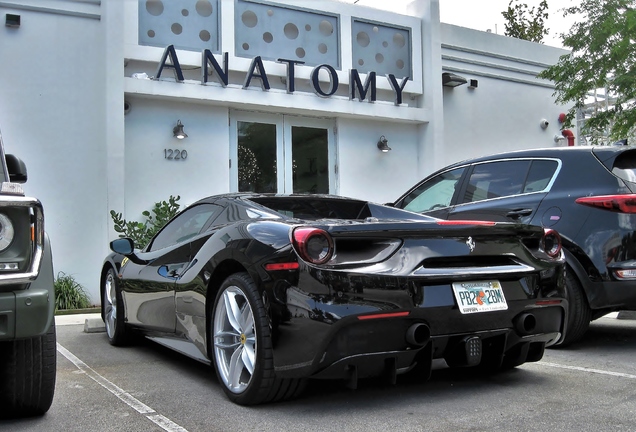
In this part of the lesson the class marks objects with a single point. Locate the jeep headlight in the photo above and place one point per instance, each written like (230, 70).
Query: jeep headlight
(6, 232)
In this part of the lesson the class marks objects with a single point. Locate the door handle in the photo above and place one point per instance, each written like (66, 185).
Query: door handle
(516, 214)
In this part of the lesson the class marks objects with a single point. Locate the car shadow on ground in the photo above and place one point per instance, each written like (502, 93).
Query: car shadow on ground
(444, 384)
(606, 335)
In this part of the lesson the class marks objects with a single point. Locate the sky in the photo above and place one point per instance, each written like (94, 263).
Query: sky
(485, 14)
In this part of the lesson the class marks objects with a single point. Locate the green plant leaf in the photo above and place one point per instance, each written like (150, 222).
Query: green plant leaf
(141, 232)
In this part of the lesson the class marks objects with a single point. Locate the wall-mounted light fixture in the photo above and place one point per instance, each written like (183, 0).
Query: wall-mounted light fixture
(383, 144)
(11, 20)
(178, 131)
(452, 80)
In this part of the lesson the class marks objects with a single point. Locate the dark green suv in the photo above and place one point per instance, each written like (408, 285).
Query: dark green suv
(27, 298)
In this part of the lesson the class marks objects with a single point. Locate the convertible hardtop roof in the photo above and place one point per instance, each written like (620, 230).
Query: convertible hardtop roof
(302, 206)
(316, 206)
(250, 195)
(273, 197)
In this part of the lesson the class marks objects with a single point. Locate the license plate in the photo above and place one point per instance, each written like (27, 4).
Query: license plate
(482, 296)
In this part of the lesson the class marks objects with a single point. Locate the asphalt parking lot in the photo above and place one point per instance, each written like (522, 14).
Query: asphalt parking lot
(589, 387)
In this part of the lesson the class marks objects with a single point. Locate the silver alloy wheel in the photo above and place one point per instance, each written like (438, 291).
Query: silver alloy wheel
(234, 339)
(110, 306)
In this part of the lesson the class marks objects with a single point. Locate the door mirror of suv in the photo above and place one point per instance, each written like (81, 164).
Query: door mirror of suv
(17, 169)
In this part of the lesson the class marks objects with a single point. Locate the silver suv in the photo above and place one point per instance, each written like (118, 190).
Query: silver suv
(27, 298)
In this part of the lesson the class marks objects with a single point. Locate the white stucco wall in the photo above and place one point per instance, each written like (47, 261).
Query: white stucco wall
(504, 112)
(369, 174)
(52, 111)
(150, 177)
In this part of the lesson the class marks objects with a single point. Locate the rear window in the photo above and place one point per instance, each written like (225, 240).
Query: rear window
(496, 179)
(507, 178)
(311, 208)
(541, 172)
(625, 166)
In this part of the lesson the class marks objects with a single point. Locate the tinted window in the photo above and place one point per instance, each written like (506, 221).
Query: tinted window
(186, 225)
(496, 179)
(541, 172)
(316, 208)
(435, 193)
(625, 166)
(235, 212)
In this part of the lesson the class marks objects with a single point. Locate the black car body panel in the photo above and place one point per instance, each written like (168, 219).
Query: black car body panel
(597, 241)
(383, 303)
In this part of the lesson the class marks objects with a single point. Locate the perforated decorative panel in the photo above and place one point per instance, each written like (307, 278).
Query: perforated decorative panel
(187, 24)
(274, 32)
(381, 48)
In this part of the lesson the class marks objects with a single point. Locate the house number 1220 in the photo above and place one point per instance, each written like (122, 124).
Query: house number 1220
(175, 154)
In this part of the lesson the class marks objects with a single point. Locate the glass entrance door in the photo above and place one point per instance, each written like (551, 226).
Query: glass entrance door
(282, 154)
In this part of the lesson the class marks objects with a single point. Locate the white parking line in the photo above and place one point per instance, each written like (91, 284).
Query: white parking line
(588, 370)
(160, 420)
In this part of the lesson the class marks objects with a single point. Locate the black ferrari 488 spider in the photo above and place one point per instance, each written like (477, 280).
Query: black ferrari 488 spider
(272, 290)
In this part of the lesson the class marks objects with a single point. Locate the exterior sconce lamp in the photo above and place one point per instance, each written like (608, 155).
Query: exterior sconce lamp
(452, 80)
(178, 131)
(383, 144)
(11, 20)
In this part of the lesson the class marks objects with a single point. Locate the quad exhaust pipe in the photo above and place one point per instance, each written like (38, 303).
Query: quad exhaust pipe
(418, 334)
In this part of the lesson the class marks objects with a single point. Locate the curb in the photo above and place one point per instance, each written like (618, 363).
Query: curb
(89, 310)
(94, 325)
(626, 315)
(92, 321)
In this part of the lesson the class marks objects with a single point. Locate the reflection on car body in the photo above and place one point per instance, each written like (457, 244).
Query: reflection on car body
(274, 289)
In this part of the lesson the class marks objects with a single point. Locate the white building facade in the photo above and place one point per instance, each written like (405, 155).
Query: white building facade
(275, 96)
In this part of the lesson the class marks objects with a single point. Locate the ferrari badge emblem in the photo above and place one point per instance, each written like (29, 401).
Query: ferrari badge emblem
(470, 243)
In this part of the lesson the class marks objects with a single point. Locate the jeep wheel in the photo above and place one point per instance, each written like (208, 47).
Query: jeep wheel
(113, 310)
(27, 375)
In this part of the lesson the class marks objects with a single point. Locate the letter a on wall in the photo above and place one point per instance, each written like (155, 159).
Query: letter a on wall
(175, 66)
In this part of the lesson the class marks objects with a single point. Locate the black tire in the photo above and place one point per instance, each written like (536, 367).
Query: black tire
(579, 313)
(27, 375)
(113, 310)
(253, 338)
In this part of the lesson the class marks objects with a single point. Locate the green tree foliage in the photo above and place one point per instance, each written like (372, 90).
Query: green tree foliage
(142, 232)
(603, 56)
(524, 23)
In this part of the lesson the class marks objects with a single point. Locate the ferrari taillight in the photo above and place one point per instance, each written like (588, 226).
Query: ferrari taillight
(551, 242)
(313, 245)
(616, 203)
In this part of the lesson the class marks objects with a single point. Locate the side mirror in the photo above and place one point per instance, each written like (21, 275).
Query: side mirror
(17, 169)
(124, 246)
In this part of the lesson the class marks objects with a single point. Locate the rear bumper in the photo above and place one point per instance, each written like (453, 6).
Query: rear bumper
(355, 335)
(612, 295)
(352, 323)
(492, 350)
